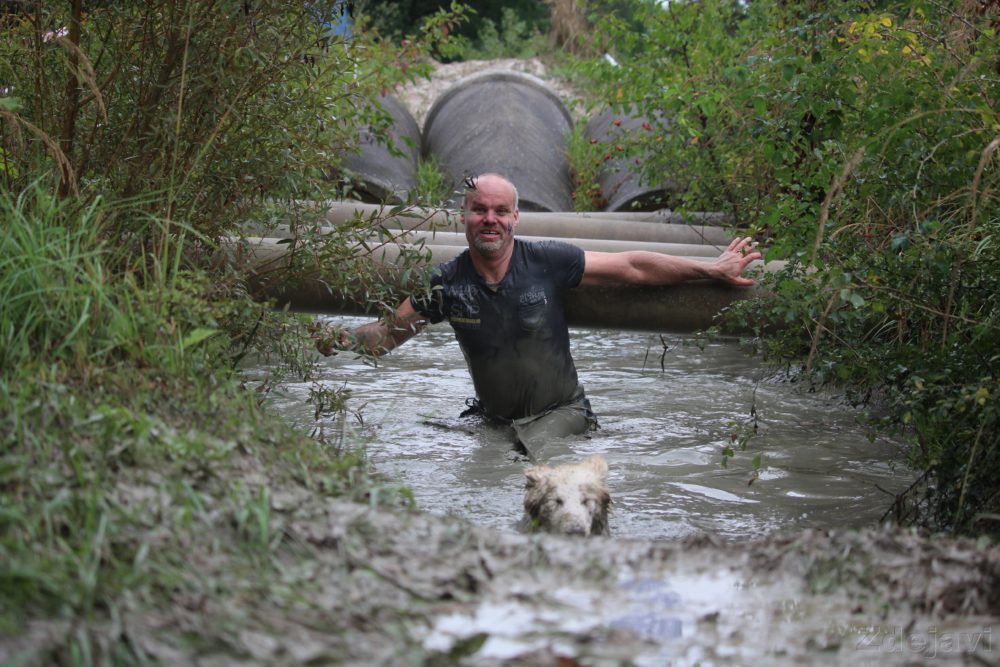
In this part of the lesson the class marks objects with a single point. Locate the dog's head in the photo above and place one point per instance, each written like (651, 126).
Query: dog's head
(570, 499)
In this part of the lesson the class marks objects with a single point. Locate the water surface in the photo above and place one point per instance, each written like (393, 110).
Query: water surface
(661, 430)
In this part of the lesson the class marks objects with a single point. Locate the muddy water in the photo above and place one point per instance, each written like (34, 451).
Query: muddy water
(661, 430)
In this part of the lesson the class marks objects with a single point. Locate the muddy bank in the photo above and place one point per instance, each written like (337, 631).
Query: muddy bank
(363, 586)
(487, 598)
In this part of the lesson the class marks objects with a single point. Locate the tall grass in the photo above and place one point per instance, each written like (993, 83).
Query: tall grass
(129, 446)
(68, 301)
(52, 282)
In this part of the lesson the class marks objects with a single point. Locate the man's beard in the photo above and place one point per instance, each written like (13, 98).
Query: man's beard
(488, 247)
(491, 247)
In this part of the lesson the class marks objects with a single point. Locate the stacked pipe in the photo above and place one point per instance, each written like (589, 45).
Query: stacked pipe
(508, 123)
(511, 124)
(384, 170)
(682, 308)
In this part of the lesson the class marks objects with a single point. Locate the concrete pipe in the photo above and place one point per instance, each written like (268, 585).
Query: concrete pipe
(509, 123)
(686, 308)
(601, 245)
(560, 225)
(340, 211)
(378, 175)
(679, 309)
(665, 216)
(621, 184)
(267, 260)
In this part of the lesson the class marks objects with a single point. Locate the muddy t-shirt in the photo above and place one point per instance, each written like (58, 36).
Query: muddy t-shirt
(515, 339)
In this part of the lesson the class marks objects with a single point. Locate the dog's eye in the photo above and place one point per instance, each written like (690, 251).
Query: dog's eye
(559, 502)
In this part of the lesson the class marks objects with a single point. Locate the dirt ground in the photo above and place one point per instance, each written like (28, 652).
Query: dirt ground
(364, 586)
(878, 597)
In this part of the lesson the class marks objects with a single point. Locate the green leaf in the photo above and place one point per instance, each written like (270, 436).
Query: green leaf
(197, 336)
(900, 242)
(708, 106)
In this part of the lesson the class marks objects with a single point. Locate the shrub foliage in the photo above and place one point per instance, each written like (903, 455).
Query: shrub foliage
(861, 140)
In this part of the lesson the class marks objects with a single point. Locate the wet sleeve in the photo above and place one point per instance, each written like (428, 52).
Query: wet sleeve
(570, 260)
(430, 303)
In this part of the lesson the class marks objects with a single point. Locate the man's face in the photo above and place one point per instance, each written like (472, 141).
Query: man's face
(490, 216)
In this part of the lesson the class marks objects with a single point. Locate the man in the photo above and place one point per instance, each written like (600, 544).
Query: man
(505, 300)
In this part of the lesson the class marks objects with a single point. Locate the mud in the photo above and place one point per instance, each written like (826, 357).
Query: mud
(351, 583)
(403, 588)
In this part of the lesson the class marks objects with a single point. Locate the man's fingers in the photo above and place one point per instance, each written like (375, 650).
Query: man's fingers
(738, 256)
(330, 340)
(325, 350)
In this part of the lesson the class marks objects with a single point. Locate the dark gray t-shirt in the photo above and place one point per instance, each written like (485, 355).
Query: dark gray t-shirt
(515, 339)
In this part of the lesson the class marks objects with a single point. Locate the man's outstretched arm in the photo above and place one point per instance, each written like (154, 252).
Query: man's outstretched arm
(638, 267)
(375, 338)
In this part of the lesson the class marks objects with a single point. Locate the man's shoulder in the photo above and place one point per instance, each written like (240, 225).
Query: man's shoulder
(454, 266)
(561, 260)
(548, 247)
(551, 252)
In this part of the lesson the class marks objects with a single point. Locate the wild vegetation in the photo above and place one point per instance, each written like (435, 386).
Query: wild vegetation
(133, 138)
(137, 469)
(858, 141)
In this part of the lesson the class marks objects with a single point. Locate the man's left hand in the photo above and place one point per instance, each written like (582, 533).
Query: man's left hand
(735, 259)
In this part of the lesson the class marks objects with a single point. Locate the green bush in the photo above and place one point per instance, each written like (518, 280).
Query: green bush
(487, 29)
(861, 143)
(205, 110)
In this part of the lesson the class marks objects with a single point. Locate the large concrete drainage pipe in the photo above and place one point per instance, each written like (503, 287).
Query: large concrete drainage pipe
(508, 123)
(378, 174)
(620, 176)
(600, 245)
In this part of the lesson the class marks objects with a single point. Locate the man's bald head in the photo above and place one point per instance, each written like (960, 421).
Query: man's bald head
(473, 182)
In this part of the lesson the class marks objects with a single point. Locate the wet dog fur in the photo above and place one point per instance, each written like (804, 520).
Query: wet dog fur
(571, 499)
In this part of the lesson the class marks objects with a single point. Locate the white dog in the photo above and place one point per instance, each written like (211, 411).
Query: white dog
(572, 499)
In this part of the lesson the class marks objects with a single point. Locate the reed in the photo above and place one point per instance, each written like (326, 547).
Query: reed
(130, 446)
(569, 25)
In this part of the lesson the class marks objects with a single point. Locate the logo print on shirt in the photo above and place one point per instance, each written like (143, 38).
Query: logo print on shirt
(464, 308)
(533, 295)
(531, 309)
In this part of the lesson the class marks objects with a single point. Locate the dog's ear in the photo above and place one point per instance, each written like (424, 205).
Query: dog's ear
(598, 465)
(534, 476)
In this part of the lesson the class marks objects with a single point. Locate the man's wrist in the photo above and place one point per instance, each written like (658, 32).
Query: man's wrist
(349, 340)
